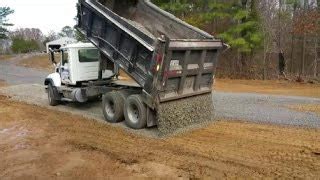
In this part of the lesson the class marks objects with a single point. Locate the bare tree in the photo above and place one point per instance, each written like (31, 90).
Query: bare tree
(29, 33)
(317, 47)
(267, 12)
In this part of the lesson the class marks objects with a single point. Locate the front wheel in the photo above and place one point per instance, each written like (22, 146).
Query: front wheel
(52, 96)
(135, 112)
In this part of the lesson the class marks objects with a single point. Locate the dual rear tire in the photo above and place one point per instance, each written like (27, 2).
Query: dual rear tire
(112, 106)
(118, 107)
(135, 112)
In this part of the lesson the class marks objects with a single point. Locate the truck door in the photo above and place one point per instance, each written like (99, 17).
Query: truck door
(88, 66)
(65, 67)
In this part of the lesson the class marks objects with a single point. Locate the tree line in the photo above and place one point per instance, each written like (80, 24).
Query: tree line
(268, 38)
(26, 40)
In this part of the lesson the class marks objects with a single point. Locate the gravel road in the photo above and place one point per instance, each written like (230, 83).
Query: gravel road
(14, 75)
(265, 108)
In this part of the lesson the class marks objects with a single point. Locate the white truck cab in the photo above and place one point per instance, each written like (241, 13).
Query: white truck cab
(78, 77)
(79, 63)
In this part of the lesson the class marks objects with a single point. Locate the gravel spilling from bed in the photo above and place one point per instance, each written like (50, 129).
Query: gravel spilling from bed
(178, 115)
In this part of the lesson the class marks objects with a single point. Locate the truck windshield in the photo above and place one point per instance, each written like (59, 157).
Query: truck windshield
(88, 55)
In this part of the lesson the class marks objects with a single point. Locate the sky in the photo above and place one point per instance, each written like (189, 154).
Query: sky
(46, 15)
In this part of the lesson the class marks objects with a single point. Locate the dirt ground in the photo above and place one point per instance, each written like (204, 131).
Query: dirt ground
(38, 62)
(314, 108)
(40, 143)
(42, 62)
(268, 87)
(2, 83)
(5, 57)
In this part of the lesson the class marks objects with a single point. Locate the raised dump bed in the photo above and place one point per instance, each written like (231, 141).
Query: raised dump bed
(155, 20)
(170, 59)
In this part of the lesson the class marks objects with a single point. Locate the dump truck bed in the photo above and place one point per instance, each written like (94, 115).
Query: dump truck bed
(187, 56)
(155, 20)
(170, 59)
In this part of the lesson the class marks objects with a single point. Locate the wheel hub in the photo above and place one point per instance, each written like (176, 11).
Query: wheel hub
(110, 109)
(133, 113)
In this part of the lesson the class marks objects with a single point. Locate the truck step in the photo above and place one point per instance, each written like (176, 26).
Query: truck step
(66, 100)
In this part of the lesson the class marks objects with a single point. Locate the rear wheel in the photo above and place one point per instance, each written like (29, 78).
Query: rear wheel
(135, 112)
(52, 96)
(112, 106)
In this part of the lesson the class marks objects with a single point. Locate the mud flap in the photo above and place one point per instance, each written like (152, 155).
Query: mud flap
(177, 115)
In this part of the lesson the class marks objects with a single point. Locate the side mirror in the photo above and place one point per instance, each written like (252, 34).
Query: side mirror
(225, 48)
(51, 57)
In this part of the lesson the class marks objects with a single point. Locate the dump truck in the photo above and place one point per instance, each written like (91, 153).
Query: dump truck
(171, 63)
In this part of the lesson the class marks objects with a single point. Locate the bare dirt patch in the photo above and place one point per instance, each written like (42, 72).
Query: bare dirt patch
(41, 62)
(124, 76)
(268, 87)
(6, 57)
(2, 83)
(314, 108)
(40, 143)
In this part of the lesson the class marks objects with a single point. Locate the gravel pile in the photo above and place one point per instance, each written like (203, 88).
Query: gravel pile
(140, 27)
(180, 114)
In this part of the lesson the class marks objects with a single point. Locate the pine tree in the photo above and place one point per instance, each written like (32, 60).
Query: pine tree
(4, 12)
(241, 20)
(243, 32)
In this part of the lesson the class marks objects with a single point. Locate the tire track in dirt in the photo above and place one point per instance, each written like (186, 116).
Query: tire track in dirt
(68, 146)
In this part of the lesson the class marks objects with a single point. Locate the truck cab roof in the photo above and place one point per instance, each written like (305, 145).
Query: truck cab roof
(79, 45)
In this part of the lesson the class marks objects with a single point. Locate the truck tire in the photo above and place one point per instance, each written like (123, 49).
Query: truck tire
(53, 99)
(135, 112)
(112, 107)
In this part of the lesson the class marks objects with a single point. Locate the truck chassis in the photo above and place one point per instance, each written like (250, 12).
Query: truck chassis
(113, 93)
